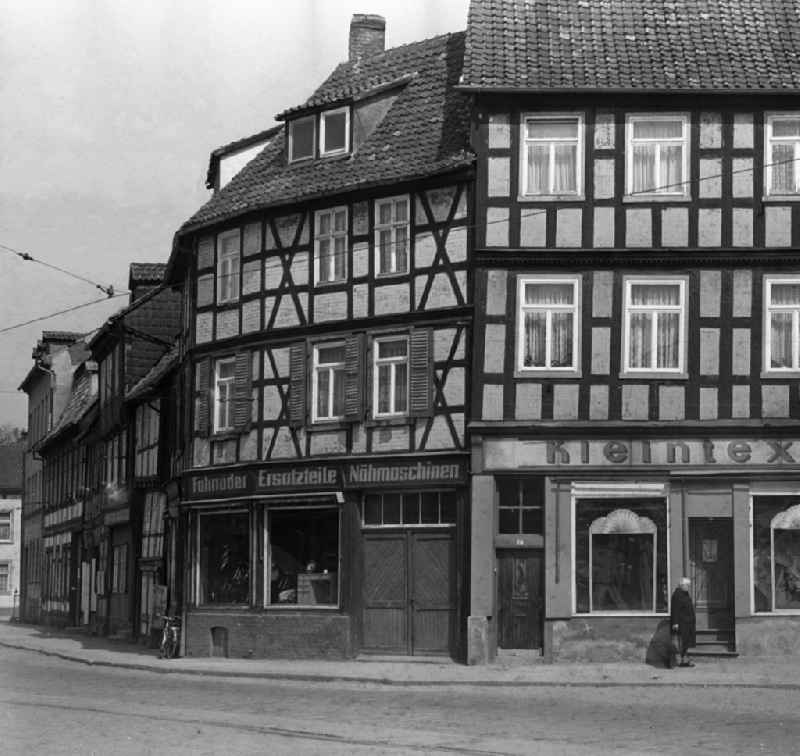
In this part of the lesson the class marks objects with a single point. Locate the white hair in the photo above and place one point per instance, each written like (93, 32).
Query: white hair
(685, 581)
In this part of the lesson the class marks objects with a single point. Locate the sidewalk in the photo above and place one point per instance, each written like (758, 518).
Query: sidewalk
(510, 670)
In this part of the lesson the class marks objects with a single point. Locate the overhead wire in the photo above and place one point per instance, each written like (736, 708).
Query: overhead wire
(61, 312)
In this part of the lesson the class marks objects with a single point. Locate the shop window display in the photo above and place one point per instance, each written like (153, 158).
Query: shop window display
(224, 558)
(776, 553)
(621, 555)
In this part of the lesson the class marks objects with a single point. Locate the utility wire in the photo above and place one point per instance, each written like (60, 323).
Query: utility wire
(107, 290)
(61, 312)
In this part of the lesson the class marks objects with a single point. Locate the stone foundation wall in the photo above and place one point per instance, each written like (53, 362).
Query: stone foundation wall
(768, 636)
(261, 635)
(607, 639)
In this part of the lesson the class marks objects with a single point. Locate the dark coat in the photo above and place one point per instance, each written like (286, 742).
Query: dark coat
(682, 615)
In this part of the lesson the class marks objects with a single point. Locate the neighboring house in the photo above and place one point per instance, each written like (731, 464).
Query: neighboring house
(325, 493)
(48, 386)
(11, 487)
(636, 412)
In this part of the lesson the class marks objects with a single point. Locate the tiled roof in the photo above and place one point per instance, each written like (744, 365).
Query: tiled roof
(11, 467)
(66, 336)
(425, 132)
(706, 45)
(80, 402)
(154, 375)
(146, 273)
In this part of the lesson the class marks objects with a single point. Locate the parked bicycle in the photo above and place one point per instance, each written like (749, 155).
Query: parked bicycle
(170, 637)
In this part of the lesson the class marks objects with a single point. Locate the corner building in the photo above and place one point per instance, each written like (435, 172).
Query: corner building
(636, 402)
(324, 503)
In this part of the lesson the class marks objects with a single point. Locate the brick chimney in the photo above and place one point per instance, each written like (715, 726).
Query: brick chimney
(367, 35)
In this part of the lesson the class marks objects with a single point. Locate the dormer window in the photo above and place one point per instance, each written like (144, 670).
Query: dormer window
(334, 131)
(301, 138)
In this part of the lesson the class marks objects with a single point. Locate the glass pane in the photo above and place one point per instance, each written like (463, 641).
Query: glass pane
(325, 261)
(787, 569)
(545, 294)
(323, 393)
(565, 173)
(533, 521)
(400, 247)
(640, 340)
(324, 223)
(788, 127)
(385, 245)
(302, 132)
(385, 213)
(335, 131)
(338, 392)
(401, 387)
(538, 174)
(429, 513)
(230, 245)
(555, 128)
(384, 389)
(372, 510)
(330, 354)
(561, 339)
(644, 168)
(671, 158)
(448, 503)
(391, 509)
(411, 509)
(340, 220)
(508, 521)
(657, 129)
(668, 340)
(401, 211)
(534, 354)
(395, 348)
(655, 294)
(225, 558)
(783, 169)
(622, 572)
(340, 258)
(226, 369)
(785, 293)
(780, 345)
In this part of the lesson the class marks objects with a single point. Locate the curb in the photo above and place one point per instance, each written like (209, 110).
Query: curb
(389, 682)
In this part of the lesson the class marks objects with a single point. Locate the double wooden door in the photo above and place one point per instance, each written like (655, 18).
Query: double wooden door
(409, 592)
(520, 598)
(711, 571)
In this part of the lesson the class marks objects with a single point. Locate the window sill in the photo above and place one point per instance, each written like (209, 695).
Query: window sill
(778, 613)
(392, 274)
(301, 607)
(228, 304)
(620, 614)
(388, 422)
(654, 375)
(777, 375)
(327, 284)
(225, 435)
(663, 198)
(769, 198)
(547, 373)
(551, 198)
(338, 423)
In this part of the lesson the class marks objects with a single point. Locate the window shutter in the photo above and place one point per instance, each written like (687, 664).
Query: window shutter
(242, 391)
(420, 363)
(297, 385)
(202, 422)
(354, 377)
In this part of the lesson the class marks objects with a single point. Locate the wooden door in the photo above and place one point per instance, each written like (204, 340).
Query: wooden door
(711, 571)
(520, 598)
(408, 592)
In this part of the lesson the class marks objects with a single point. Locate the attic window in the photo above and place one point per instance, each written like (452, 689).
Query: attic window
(334, 131)
(301, 138)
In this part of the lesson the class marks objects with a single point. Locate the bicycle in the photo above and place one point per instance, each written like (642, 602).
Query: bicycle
(170, 637)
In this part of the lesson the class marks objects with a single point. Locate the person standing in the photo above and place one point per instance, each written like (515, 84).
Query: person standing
(682, 619)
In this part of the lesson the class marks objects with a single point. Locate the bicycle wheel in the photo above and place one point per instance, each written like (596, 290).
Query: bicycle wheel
(170, 647)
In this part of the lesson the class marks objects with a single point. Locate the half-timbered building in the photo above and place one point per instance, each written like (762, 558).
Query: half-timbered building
(325, 492)
(636, 403)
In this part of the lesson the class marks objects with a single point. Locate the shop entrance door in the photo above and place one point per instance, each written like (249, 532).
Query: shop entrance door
(711, 571)
(408, 595)
(520, 598)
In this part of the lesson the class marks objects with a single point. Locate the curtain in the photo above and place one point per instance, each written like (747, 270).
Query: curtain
(538, 161)
(561, 325)
(667, 326)
(780, 347)
(783, 169)
(657, 166)
(565, 168)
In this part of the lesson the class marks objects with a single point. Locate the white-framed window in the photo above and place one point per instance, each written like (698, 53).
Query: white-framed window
(303, 552)
(776, 553)
(552, 155)
(657, 155)
(328, 381)
(654, 330)
(388, 510)
(224, 372)
(548, 322)
(391, 235)
(782, 324)
(334, 131)
(330, 245)
(390, 383)
(6, 532)
(782, 154)
(302, 133)
(5, 577)
(223, 561)
(228, 254)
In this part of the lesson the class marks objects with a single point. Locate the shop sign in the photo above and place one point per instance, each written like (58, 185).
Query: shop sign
(706, 452)
(309, 477)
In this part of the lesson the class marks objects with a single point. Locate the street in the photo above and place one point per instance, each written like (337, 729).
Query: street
(50, 706)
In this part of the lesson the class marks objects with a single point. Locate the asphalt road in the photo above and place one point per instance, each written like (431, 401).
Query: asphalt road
(50, 706)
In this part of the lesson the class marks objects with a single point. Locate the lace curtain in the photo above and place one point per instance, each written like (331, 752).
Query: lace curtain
(561, 325)
(665, 323)
(781, 324)
(657, 166)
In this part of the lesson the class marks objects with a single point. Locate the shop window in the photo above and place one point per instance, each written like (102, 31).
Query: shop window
(330, 245)
(391, 235)
(119, 568)
(655, 325)
(782, 315)
(228, 255)
(782, 158)
(5, 526)
(658, 156)
(303, 556)
(548, 324)
(391, 376)
(409, 509)
(621, 555)
(5, 577)
(776, 553)
(329, 381)
(520, 508)
(224, 558)
(552, 155)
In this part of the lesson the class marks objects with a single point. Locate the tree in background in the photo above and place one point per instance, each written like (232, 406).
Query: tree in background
(10, 434)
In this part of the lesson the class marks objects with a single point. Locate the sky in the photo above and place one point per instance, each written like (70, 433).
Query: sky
(109, 110)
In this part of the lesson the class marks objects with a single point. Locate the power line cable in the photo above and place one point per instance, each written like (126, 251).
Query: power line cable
(61, 312)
